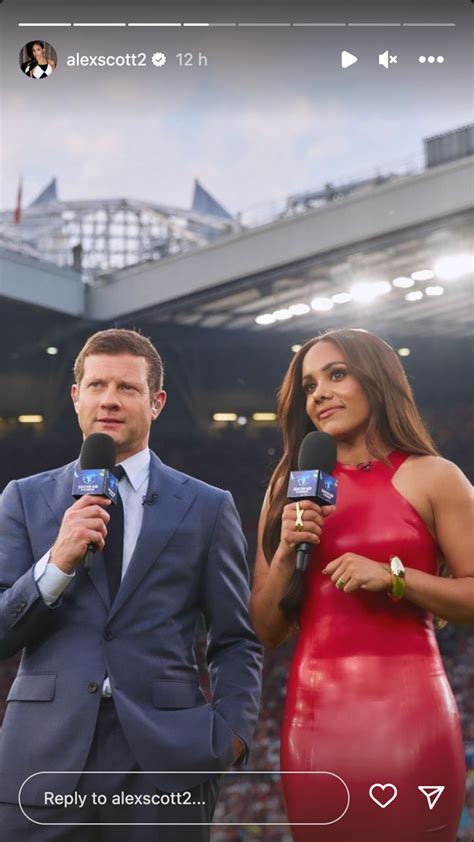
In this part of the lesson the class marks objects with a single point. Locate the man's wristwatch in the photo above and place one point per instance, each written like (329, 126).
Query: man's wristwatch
(399, 584)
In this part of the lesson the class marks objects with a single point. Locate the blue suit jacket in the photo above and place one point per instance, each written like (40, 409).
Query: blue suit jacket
(189, 559)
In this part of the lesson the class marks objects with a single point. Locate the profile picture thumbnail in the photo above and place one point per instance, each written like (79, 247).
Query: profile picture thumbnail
(38, 59)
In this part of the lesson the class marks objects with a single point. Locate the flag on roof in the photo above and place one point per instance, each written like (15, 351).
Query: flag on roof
(17, 213)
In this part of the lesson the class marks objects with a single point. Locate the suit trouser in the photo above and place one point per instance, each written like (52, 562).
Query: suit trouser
(110, 750)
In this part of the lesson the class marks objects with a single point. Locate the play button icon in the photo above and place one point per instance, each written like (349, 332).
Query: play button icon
(347, 59)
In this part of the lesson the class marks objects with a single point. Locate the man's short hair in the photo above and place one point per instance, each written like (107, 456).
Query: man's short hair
(121, 341)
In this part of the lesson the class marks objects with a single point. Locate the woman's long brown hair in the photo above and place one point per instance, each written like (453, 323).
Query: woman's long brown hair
(394, 420)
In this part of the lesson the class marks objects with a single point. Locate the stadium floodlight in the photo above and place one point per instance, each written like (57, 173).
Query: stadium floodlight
(434, 290)
(224, 416)
(242, 420)
(52, 351)
(265, 319)
(403, 352)
(296, 348)
(30, 419)
(414, 296)
(365, 292)
(321, 304)
(451, 268)
(423, 275)
(341, 297)
(281, 315)
(299, 309)
(403, 283)
(264, 416)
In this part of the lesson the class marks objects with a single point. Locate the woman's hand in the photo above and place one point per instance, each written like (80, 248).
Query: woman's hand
(358, 572)
(312, 517)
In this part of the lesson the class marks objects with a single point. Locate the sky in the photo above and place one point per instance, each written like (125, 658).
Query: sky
(272, 113)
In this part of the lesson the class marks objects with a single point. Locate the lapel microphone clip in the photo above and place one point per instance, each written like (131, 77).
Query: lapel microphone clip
(149, 501)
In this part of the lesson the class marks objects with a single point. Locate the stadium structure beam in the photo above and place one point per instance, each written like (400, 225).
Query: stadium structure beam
(24, 278)
(404, 203)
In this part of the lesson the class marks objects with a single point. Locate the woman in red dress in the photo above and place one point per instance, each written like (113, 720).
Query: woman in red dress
(369, 711)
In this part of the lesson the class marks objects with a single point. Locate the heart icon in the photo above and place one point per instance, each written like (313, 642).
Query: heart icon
(384, 798)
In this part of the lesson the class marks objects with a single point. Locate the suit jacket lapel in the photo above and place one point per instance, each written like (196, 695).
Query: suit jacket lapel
(160, 521)
(57, 490)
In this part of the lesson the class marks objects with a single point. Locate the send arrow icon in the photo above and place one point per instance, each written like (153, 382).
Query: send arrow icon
(347, 59)
(432, 794)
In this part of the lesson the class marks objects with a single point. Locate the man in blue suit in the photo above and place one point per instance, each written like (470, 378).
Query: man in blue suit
(108, 680)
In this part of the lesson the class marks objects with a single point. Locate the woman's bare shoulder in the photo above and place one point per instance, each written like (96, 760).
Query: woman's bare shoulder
(440, 474)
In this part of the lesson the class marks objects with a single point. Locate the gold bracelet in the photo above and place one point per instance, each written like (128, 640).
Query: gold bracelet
(397, 569)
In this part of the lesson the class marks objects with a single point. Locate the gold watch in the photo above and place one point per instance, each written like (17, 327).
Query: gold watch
(397, 569)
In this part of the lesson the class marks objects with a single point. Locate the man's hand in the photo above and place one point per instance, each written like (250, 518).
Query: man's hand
(239, 750)
(84, 523)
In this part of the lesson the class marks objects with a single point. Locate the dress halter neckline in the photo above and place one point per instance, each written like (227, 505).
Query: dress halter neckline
(396, 458)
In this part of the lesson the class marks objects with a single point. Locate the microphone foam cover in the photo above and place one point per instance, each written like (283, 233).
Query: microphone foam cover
(98, 451)
(317, 452)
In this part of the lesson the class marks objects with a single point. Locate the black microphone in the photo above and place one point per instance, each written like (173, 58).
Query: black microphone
(313, 480)
(95, 477)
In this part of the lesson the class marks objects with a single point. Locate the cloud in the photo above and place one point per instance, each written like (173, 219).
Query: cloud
(246, 149)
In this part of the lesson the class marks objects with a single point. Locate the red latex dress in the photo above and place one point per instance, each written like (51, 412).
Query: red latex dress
(368, 699)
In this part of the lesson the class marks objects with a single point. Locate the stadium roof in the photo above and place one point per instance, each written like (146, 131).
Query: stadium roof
(375, 235)
(409, 224)
(392, 252)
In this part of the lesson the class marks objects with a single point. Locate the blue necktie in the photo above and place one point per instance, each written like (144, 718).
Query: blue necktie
(113, 550)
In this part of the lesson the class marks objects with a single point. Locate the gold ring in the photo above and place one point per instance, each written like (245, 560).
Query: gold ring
(340, 584)
(299, 525)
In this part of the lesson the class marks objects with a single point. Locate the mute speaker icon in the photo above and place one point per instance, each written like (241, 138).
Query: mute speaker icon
(383, 59)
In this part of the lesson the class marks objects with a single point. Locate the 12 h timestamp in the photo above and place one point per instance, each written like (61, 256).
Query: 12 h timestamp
(192, 60)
